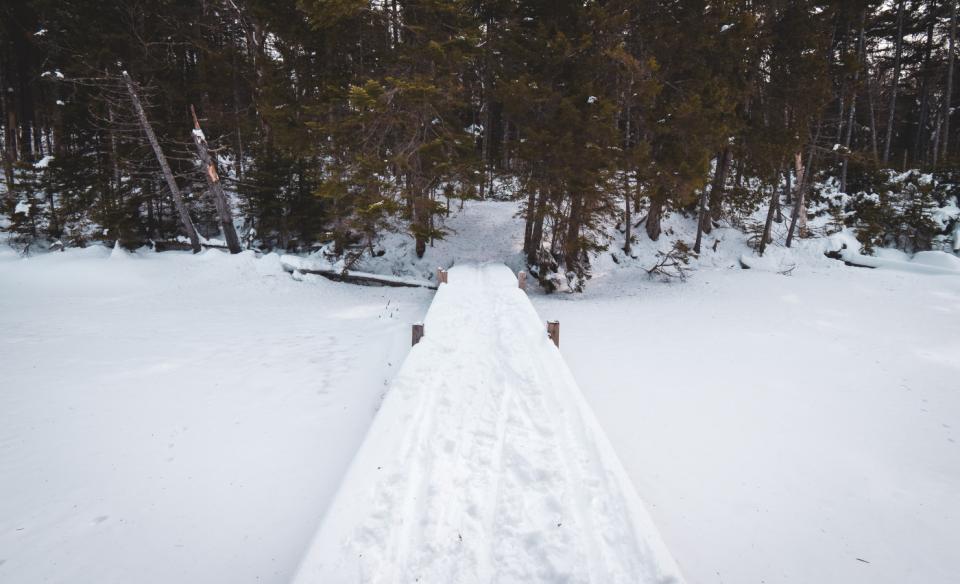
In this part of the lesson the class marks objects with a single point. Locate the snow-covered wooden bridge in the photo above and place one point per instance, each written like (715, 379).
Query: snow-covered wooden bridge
(485, 464)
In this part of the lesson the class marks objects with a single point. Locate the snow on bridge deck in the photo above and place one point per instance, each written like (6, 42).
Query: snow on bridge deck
(484, 464)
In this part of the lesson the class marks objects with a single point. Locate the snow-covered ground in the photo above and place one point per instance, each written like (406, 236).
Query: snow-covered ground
(800, 428)
(168, 418)
(165, 417)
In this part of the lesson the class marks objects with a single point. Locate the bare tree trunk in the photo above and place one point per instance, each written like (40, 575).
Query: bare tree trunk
(896, 82)
(924, 94)
(536, 233)
(486, 188)
(114, 156)
(717, 189)
(506, 142)
(12, 147)
(487, 109)
(937, 126)
(626, 174)
(851, 116)
(702, 211)
(655, 214)
(765, 237)
(224, 211)
(10, 150)
(236, 120)
(628, 233)
(949, 95)
(871, 96)
(788, 187)
(778, 214)
(798, 199)
(701, 219)
(164, 166)
(804, 178)
(571, 244)
(528, 222)
(395, 22)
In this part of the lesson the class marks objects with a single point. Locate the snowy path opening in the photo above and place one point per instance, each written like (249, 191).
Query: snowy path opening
(485, 464)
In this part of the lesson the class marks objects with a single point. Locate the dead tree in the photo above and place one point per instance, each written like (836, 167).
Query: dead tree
(216, 187)
(804, 181)
(164, 166)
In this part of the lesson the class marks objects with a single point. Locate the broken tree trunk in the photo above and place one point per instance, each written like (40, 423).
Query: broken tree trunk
(216, 187)
(164, 166)
(804, 178)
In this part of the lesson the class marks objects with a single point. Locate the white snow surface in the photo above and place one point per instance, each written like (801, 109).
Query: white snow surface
(178, 418)
(43, 162)
(479, 232)
(924, 262)
(782, 429)
(485, 464)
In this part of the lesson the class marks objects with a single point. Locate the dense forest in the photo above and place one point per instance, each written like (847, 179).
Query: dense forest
(285, 124)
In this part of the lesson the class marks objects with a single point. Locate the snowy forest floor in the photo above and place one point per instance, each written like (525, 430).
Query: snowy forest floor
(173, 418)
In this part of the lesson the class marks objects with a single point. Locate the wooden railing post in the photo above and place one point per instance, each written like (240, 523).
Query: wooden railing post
(441, 276)
(417, 333)
(553, 331)
(522, 280)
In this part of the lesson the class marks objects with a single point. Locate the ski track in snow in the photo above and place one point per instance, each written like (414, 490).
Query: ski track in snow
(485, 464)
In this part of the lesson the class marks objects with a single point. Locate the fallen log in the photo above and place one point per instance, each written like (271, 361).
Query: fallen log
(161, 246)
(365, 279)
(838, 255)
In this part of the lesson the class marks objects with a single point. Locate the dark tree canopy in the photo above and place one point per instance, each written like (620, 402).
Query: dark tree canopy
(333, 120)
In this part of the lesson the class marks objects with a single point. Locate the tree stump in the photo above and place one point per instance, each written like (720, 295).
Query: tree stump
(553, 331)
(441, 276)
(417, 333)
(522, 280)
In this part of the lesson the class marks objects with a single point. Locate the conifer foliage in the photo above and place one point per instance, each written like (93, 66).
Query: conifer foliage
(332, 121)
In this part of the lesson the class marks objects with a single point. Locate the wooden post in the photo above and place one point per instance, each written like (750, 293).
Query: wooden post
(417, 333)
(522, 280)
(441, 276)
(553, 331)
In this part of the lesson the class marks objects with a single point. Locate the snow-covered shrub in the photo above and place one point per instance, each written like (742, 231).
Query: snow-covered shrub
(26, 208)
(890, 209)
